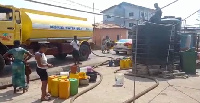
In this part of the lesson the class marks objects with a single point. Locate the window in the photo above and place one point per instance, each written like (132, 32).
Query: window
(108, 16)
(131, 24)
(141, 14)
(6, 14)
(118, 37)
(17, 15)
(131, 14)
(146, 14)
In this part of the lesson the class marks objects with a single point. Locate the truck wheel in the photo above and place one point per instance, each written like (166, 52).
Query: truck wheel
(60, 56)
(84, 52)
(2, 64)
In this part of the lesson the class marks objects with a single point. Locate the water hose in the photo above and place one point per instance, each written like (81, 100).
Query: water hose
(101, 78)
(93, 86)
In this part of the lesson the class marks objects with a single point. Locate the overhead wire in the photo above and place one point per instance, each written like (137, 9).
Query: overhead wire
(74, 4)
(48, 4)
(84, 5)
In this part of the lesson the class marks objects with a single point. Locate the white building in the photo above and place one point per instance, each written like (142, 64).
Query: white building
(126, 10)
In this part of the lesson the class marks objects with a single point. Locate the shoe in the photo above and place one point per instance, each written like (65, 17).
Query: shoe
(48, 95)
(46, 98)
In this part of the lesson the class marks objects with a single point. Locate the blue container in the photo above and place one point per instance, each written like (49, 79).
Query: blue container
(110, 63)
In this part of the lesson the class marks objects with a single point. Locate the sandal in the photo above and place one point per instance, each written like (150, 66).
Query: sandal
(48, 95)
(45, 98)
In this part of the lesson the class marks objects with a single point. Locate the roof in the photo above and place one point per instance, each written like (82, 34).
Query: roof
(101, 26)
(126, 3)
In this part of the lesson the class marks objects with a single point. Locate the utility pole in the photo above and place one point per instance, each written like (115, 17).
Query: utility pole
(94, 25)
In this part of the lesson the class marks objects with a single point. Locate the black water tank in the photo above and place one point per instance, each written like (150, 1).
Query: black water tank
(154, 40)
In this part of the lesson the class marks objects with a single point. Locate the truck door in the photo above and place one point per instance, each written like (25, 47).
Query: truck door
(18, 30)
(7, 26)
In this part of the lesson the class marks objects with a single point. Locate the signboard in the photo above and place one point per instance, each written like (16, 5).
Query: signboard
(59, 27)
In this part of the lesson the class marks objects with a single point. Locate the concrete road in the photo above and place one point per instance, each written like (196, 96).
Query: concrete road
(56, 62)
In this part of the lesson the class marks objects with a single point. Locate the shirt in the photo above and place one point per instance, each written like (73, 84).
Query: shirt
(158, 12)
(75, 44)
(18, 53)
(43, 60)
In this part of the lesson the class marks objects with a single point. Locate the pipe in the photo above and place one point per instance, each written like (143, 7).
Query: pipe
(90, 88)
(101, 78)
(143, 92)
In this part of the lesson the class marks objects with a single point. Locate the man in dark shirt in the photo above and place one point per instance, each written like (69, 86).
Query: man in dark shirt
(156, 18)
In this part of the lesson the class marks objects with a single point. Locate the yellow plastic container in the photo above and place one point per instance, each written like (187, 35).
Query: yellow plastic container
(82, 75)
(49, 82)
(122, 64)
(76, 76)
(64, 89)
(55, 87)
(127, 64)
(63, 77)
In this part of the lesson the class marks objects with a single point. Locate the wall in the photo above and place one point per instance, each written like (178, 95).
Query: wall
(123, 10)
(99, 34)
(109, 12)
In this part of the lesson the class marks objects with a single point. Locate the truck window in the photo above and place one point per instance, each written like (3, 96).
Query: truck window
(6, 14)
(17, 15)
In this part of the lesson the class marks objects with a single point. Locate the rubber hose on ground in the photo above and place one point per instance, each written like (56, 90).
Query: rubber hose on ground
(127, 101)
(100, 55)
(143, 92)
(90, 88)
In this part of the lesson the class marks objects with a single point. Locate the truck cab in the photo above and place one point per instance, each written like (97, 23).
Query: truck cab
(10, 25)
(10, 29)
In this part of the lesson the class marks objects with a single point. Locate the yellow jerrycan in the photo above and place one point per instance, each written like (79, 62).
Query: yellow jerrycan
(75, 76)
(50, 81)
(55, 87)
(82, 75)
(127, 63)
(64, 89)
(122, 64)
(63, 77)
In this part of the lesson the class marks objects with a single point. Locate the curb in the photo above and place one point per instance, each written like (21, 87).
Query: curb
(51, 71)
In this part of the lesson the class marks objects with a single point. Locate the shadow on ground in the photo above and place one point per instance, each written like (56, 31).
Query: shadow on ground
(7, 96)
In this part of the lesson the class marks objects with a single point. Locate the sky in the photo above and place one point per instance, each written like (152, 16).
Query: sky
(182, 8)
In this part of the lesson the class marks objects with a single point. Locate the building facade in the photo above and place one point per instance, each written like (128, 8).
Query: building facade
(127, 14)
(115, 32)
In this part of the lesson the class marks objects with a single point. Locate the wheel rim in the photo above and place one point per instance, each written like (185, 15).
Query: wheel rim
(84, 52)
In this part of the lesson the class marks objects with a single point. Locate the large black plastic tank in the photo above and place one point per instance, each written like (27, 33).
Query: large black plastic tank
(154, 40)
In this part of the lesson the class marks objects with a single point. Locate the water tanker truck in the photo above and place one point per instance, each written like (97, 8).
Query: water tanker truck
(33, 27)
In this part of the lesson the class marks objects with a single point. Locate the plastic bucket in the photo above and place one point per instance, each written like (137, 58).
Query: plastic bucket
(119, 79)
(64, 73)
(83, 69)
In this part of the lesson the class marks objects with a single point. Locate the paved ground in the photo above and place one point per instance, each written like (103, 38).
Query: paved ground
(179, 91)
(169, 91)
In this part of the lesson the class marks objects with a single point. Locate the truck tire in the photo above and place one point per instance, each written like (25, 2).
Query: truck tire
(60, 56)
(2, 64)
(84, 52)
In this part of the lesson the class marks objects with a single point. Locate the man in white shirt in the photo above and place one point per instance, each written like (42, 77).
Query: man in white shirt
(76, 54)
